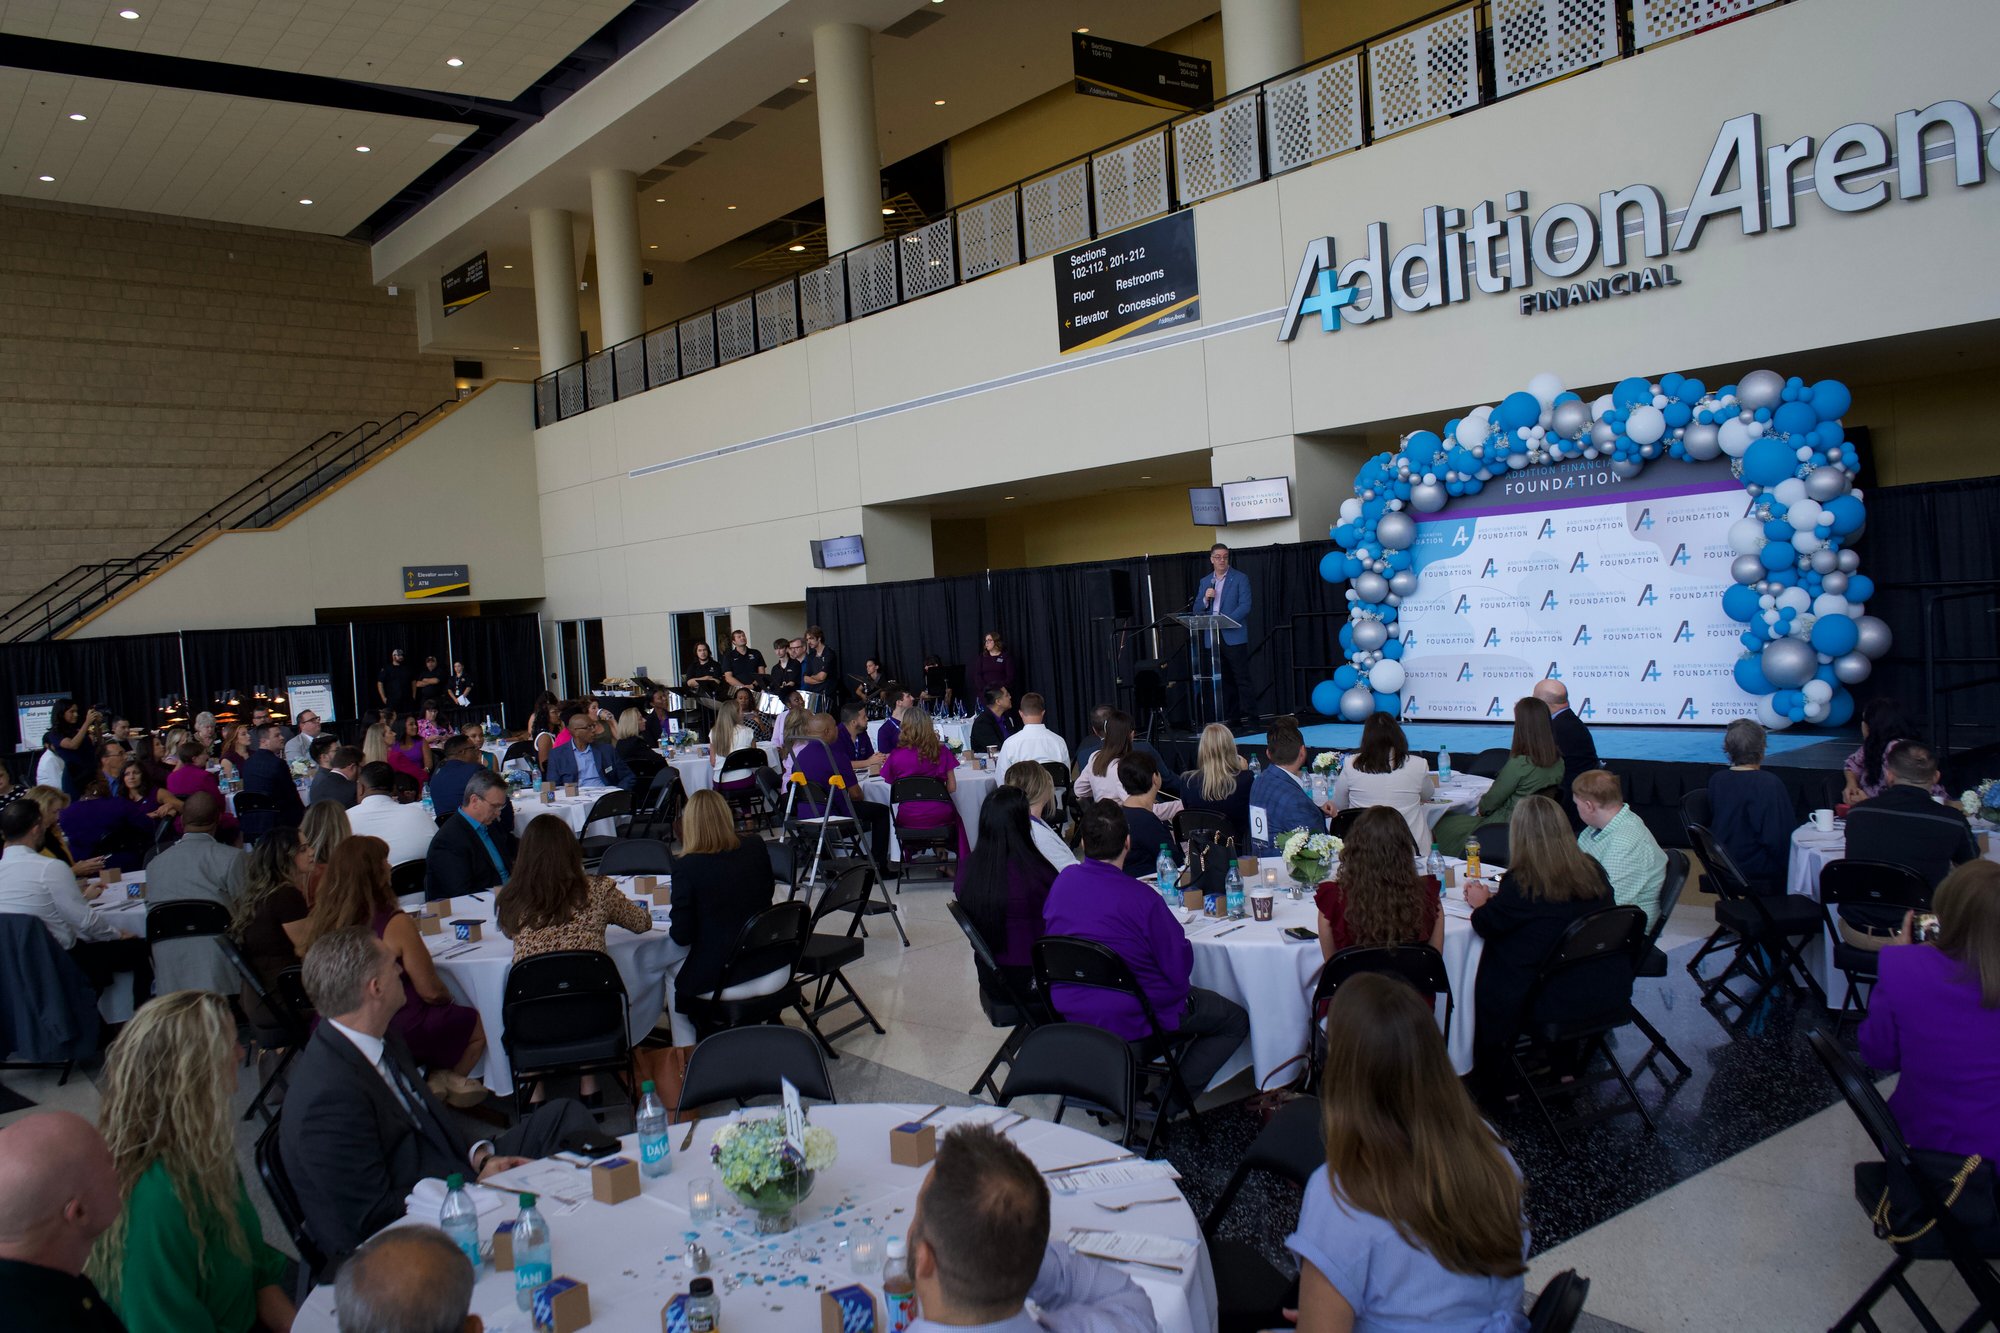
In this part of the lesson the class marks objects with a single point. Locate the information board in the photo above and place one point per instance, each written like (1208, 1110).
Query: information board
(1135, 281)
(32, 714)
(464, 284)
(313, 693)
(1124, 72)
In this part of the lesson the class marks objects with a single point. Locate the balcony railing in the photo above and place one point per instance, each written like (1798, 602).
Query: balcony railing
(1444, 64)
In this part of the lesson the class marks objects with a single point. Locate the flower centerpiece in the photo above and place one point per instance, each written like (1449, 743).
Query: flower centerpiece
(300, 768)
(953, 743)
(1328, 762)
(1983, 801)
(1309, 856)
(766, 1174)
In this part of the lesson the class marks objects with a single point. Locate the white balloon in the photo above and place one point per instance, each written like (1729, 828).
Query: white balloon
(1545, 387)
(1829, 604)
(1350, 509)
(1805, 543)
(1802, 513)
(1386, 676)
(1789, 492)
(1645, 425)
(1815, 711)
(1733, 438)
(1768, 714)
(1817, 690)
(1472, 430)
(1797, 598)
(1746, 536)
(1602, 405)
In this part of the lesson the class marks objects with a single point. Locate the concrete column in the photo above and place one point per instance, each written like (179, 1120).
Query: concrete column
(556, 324)
(614, 213)
(1260, 38)
(850, 163)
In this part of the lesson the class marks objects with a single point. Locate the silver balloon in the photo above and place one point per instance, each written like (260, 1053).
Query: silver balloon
(1395, 532)
(1852, 668)
(1628, 468)
(1760, 388)
(1874, 637)
(1747, 569)
(1569, 419)
(1789, 663)
(1370, 634)
(1428, 497)
(1824, 483)
(1403, 582)
(1825, 562)
(1850, 561)
(1369, 587)
(1356, 703)
(1602, 435)
(1701, 442)
(1833, 582)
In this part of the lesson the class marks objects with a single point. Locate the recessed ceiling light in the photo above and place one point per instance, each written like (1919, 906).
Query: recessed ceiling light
(888, 211)
(1006, 497)
(652, 247)
(939, 102)
(45, 178)
(732, 208)
(795, 249)
(128, 13)
(805, 80)
(363, 148)
(1083, 30)
(1145, 476)
(305, 201)
(506, 266)
(517, 347)
(78, 115)
(454, 62)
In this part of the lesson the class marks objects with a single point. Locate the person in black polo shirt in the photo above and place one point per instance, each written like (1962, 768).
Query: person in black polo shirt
(1903, 825)
(742, 665)
(58, 1193)
(817, 670)
(392, 682)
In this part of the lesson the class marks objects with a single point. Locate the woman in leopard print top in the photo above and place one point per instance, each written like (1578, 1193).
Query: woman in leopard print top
(549, 904)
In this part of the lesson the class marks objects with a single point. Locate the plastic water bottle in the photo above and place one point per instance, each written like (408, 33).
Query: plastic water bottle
(429, 809)
(1435, 868)
(533, 1263)
(489, 730)
(1444, 764)
(1233, 887)
(899, 1289)
(459, 1219)
(1256, 766)
(655, 1155)
(704, 1307)
(1164, 876)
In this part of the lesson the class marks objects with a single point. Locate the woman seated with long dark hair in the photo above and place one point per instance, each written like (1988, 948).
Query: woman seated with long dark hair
(1005, 884)
(1378, 897)
(549, 904)
(1415, 1220)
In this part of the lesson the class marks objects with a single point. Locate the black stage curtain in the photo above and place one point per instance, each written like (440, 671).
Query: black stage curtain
(503, 659)
(242, 659)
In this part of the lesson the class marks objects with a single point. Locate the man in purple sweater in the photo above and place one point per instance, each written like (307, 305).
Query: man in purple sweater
(1097, 900)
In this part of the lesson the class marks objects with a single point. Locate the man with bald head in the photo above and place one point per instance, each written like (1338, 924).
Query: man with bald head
(58, 1193)
(407, 1280)
(1579, 752)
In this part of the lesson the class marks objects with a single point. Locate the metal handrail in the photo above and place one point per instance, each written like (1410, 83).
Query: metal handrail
(277, 492)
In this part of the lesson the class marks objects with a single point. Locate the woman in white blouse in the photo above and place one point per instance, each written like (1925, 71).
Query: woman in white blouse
(1384, 772)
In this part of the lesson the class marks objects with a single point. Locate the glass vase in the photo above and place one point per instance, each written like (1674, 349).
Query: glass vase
(775, 1203)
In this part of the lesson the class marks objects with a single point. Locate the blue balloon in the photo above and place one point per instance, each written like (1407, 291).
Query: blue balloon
(1345, 535)
(1768, 462)
(1784, 578)
(1847, 513)
(1840, 708)
(1519, 409)
(1835, 635)
(1346, 645)
(1632, 392)
(1345, 678)
(1326, 697)
(1567, 396)
(1750, 639)
(1393, 650)
(1397, 560)
(1677, 414)
(1391, 704)
(1794, 418)
(1860, 588)
(1422, 449)
(1778, 530)
(1386, 612)
(1739, 602)
(1779, 557)
(1830, 399)
(1749, 675)
(1692, 391)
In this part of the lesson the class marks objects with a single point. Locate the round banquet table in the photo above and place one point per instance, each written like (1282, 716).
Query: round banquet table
(974, 785)
(528, 804)
(948, 729)
(121, 910)
(632, 1255)
(696, 772)
(1272, 976)
(1460, 792)
(477, 975)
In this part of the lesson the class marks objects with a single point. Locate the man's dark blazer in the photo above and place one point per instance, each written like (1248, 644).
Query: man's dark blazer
(456, 862)
(328, 785)
(448, 793)
(1903, 826)
(989, 733)
(267, 774)
(562, 765)
(1579, 752)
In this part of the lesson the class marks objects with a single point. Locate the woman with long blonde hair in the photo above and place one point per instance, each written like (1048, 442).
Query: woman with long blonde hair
(186, 1251)
(720, 881)
(324, 828)
(1415, 1220)
(1220, 782)
(375, 744)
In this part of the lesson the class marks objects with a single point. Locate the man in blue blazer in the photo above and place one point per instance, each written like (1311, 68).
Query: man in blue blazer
(586, 760)
(1279, 800)
(1224, 591)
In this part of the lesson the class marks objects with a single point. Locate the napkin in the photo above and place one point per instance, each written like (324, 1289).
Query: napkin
(426, 1200)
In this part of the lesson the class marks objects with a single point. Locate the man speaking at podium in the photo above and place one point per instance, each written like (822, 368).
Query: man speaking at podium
(1226, 592)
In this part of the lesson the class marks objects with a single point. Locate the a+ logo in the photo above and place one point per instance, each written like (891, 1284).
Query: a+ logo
(1327, 300)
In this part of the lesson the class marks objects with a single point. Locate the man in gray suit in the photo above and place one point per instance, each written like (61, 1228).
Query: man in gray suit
(195, 868)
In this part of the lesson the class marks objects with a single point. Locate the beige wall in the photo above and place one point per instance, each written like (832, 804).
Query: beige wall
(733, 530)
(152, 365)
(460, 492)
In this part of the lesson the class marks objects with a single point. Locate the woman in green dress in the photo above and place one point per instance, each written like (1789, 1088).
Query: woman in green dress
(1533, 765)
(187, 1254)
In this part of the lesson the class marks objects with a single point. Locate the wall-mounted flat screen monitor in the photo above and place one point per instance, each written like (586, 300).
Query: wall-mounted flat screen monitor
(1206, 503)
(1256, 501)
(838, 553)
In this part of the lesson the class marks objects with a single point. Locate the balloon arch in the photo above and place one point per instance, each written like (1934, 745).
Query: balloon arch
(1797, 587)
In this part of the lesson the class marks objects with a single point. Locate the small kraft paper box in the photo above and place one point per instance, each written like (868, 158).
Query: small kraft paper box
(912, 1144)
(1192, 900)
(646, 884)
(1247, 866)
(112, 874)
(466, 928)
(614, 1180)
(561, 1305)
(428, 924)
(847, 1310)
(503, 1247)
(569, 789)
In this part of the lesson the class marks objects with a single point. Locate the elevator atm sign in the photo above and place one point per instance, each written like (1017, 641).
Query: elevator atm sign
(1139, 280)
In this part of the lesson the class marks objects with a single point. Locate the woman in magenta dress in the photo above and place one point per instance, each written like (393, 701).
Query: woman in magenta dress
(192, 776)
(920, 754)
(408, 753)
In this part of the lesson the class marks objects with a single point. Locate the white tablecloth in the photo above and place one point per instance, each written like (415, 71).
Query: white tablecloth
(1272, 977)
(572, 810)
(955, 729)
(697, 773)
(1461, 792)
(120, 909)
(478, 976)
(632, 1255)
(973, 786)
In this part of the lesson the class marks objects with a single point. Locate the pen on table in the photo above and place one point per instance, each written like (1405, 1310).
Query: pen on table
(925, 1117)
(1078, 1166)
(1232, 930)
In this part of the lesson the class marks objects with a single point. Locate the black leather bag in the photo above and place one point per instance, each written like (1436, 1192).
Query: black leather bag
(1208, 856)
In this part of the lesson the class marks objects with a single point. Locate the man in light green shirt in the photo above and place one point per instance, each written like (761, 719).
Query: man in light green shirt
(1614, 834)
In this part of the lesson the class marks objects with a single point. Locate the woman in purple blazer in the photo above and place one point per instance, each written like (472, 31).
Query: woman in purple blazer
(1935, 1017)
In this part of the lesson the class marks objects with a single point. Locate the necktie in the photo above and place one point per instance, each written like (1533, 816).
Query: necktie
(404, 1095)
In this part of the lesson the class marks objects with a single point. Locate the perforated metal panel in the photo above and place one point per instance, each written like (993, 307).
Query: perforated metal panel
(1055, 210)
(1217, 151)
(777, 314)
(736, 330)
(697, 345)
(927, 259)
(871, 279)
(1657, 20)
(1130, 182)
(1315, 115)
(628, 368)
(663, 357)
(1424, 74)
(569, 389)
(989, 236)
(823, 296)
(547, 408)
(1538, 40)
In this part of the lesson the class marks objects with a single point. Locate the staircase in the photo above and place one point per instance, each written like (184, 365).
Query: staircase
(51, 611)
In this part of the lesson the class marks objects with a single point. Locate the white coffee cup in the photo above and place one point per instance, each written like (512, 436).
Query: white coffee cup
(1823, 820)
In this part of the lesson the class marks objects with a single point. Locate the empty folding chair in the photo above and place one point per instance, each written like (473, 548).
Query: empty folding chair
(826, 956)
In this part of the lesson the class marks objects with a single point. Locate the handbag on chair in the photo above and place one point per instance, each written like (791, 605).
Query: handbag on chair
(666, 1067)
(1208, 856)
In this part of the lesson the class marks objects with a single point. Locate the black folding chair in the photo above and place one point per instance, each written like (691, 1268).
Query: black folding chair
(1418, 964)
(748, 803)
(1493, 843)
(612, 805)
(1653, 963)
(1342, 826)
(833, 830)
(826, 957)
(1002, 1001)
(1560, 1303)
(1769, 932)
(1554, 1014)
(659, 810)
(938, 842)
(520, 750)
(288, 1036)
(1071, 960)
(769, 943)
(185, 920)
(1251, 1293)
(1487, 763)
(748, 1062)
(636, 856)
(407, 878)
(1076, 1062)
(1935, 1233)
(1874, 884)
(1064, 802)
(1696, 808)
(566, 1013)
(255, 814)
(285, 1200)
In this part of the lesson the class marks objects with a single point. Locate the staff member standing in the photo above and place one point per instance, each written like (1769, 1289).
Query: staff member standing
(1225, 591)
(742, 665)
(393, 682)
